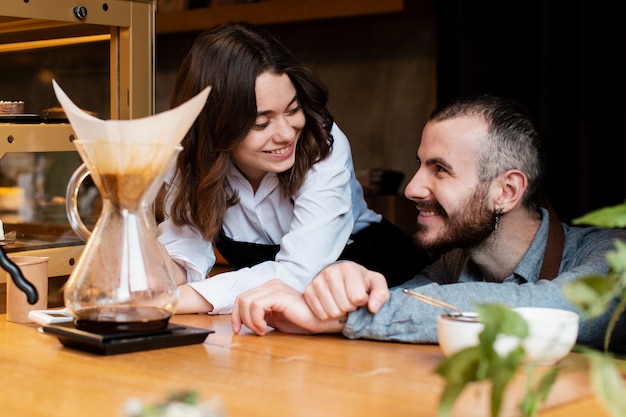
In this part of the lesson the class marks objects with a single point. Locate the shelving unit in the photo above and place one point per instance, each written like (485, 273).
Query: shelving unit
(272, 11)
(128, 26)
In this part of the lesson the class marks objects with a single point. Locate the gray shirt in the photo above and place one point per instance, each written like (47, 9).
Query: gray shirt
(455, 279)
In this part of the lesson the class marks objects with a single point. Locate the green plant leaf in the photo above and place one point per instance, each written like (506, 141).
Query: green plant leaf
(607, 382)
(483, 362)
(614, 216)
(185, 397)
(617, 258)
(535, 396)
(458, 370)
(605, 372)
(503, 370)
(619, 309)
(591, 294)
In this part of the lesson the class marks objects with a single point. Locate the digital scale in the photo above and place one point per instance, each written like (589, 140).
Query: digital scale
(111, 343)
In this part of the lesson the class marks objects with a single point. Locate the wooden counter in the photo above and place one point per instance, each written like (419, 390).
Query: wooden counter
(276, 375)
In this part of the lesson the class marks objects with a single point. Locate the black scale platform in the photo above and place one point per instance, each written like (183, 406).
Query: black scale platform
(124, 342)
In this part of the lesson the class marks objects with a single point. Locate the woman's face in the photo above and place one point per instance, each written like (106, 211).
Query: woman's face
(270, 145)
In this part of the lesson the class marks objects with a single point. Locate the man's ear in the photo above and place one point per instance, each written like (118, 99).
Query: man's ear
(510, 189)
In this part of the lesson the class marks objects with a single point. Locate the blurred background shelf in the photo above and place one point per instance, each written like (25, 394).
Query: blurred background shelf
(271, 12)
(37, 156)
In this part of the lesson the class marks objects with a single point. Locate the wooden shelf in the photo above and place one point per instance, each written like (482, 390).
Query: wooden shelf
(271, 11)
(26, 15)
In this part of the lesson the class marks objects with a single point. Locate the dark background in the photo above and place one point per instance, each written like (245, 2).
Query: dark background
(565, 62)
(563, 59)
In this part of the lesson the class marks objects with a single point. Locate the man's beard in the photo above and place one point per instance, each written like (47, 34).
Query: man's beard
(470, 226)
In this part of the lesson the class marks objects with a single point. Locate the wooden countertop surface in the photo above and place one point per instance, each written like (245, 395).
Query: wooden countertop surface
(276, 375)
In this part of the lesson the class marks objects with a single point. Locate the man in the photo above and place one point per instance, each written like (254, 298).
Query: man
(476, 190)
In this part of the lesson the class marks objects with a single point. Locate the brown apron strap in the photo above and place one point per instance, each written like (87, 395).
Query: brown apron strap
(554, 246)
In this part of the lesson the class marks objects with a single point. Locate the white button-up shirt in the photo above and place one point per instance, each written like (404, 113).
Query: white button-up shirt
(312, 228)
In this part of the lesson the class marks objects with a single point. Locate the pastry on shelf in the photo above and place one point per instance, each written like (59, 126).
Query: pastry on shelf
(11, 107)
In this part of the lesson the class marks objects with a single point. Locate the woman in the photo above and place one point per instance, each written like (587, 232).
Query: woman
(266, 176)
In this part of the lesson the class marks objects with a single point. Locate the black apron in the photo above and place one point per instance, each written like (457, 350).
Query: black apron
(380, 247)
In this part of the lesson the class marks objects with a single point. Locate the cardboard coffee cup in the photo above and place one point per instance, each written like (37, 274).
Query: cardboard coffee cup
(35, 270)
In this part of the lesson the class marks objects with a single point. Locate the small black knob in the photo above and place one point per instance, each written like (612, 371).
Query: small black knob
(80, 12)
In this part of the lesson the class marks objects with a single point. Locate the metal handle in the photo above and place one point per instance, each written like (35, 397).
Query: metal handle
(18, 278)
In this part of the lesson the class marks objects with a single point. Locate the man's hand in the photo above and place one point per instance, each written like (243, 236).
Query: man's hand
(278, 305)
(343, 287)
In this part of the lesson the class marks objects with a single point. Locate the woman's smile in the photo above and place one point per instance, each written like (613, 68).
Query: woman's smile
(282, 151)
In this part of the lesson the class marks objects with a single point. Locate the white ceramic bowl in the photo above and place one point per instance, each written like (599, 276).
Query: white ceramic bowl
(552, 334)
(455, 335)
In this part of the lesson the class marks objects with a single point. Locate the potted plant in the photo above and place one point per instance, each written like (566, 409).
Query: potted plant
(592, 295)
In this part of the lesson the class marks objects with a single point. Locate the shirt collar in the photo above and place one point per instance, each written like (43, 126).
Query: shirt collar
(236, 180)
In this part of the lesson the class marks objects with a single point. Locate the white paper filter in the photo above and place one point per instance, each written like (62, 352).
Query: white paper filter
(124, 145)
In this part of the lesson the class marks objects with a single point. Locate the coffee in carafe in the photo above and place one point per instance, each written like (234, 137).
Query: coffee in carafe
(122, 281)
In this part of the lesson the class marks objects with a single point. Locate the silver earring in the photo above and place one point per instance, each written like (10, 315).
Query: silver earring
(499, 213)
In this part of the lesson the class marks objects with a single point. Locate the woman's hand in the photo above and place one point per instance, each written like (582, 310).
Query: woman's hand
(278, 305)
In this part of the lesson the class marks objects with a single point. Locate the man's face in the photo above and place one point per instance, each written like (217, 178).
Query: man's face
(455, 210)
(463, 228)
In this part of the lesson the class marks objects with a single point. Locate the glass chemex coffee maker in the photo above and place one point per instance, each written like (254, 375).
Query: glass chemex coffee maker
(122, 283)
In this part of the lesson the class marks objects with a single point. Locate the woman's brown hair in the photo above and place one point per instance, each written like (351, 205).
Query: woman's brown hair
(229, 58)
